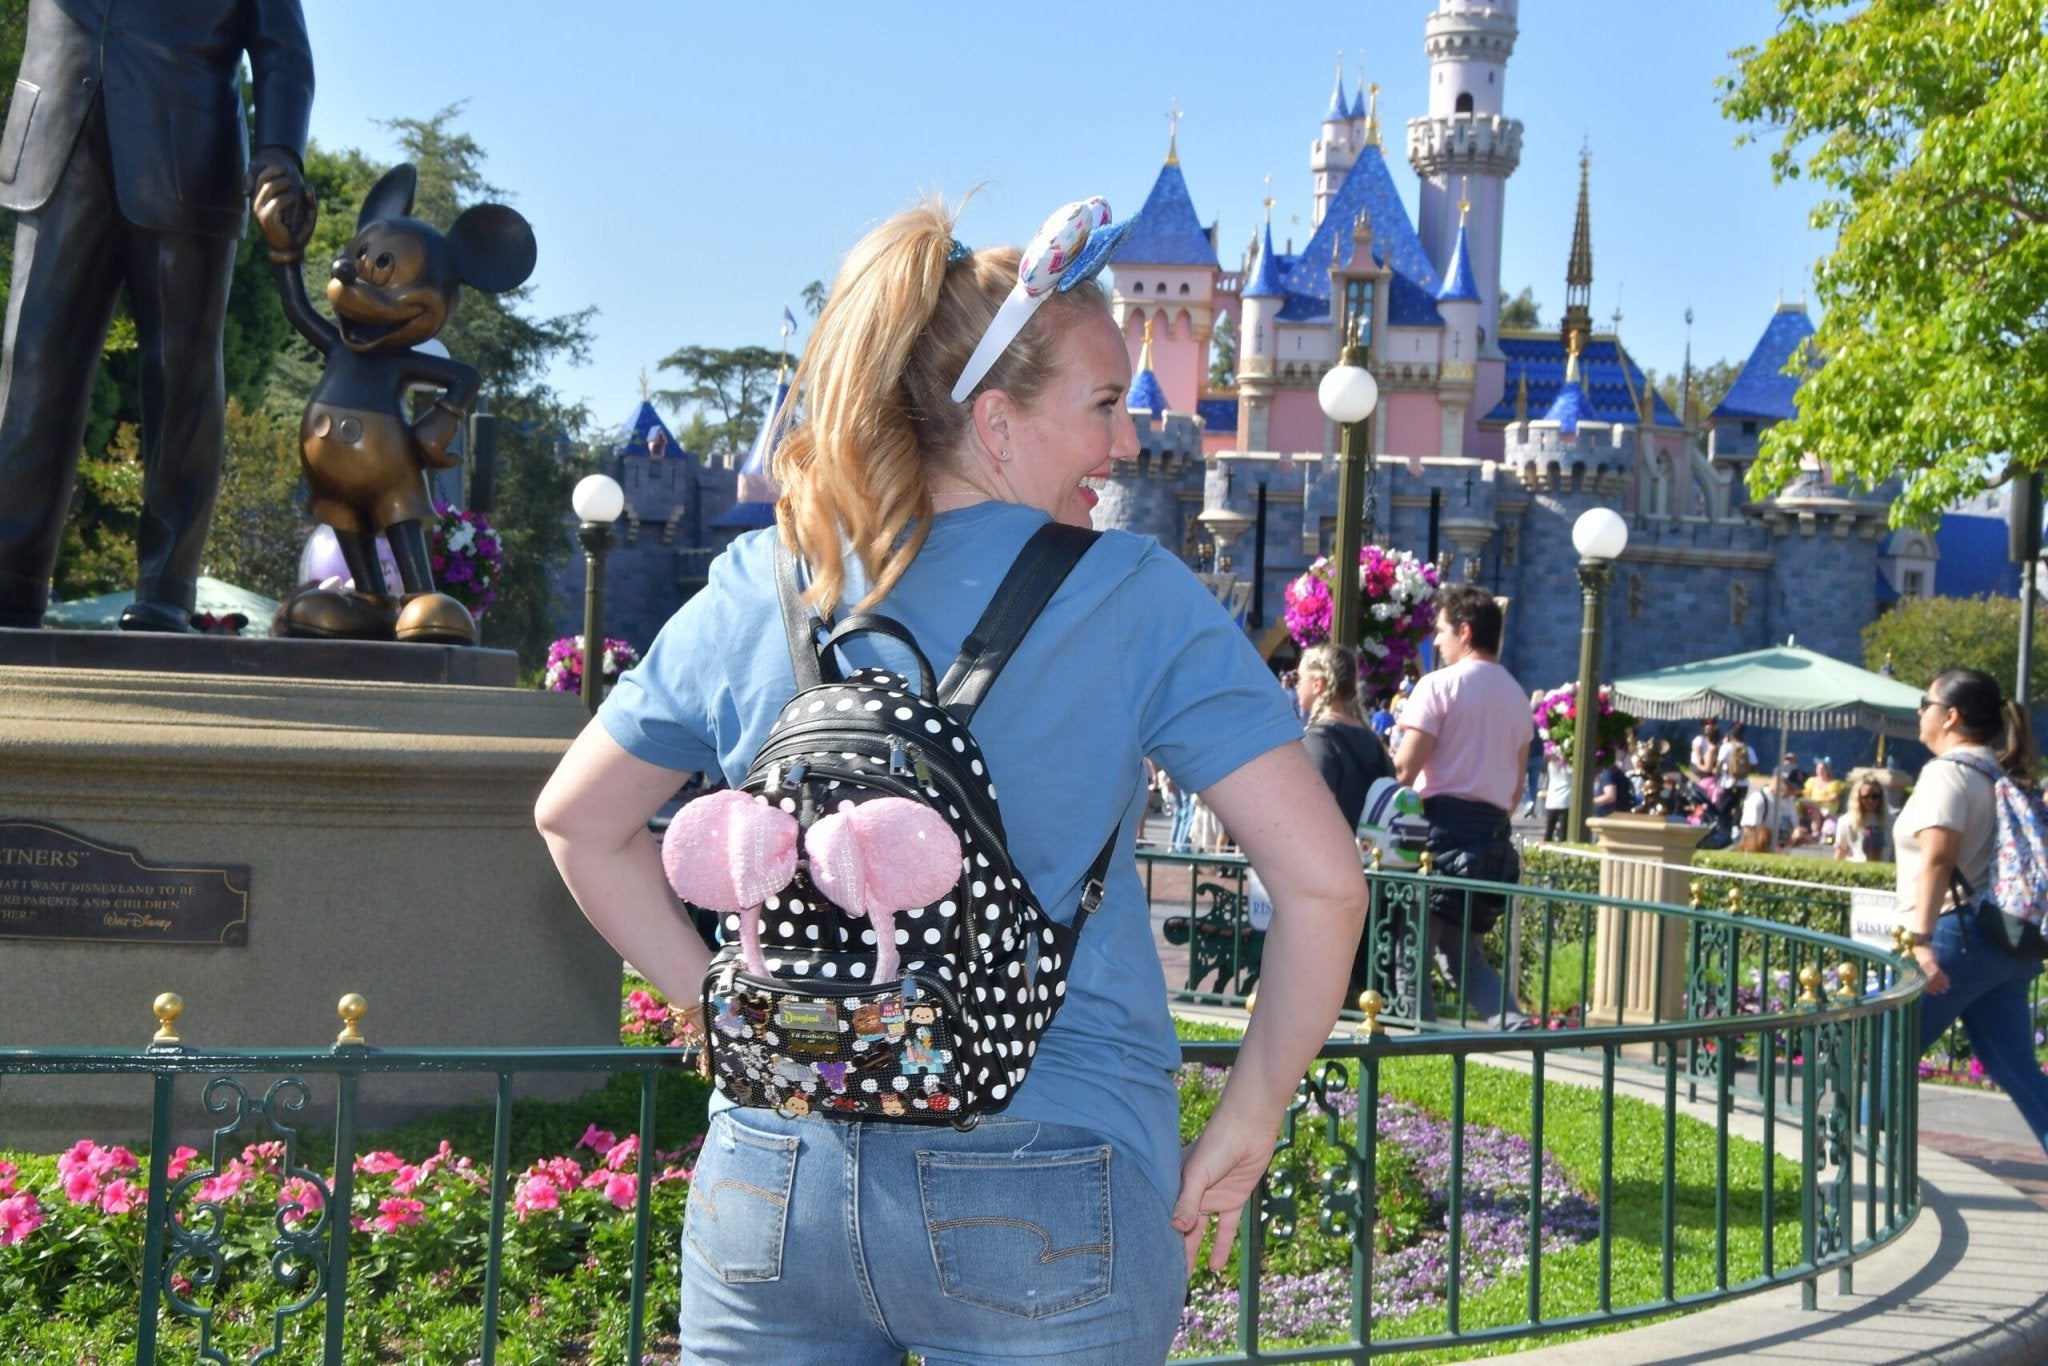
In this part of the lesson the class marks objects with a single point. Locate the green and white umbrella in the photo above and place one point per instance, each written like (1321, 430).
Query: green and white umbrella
(1788, 687)
(103, 613)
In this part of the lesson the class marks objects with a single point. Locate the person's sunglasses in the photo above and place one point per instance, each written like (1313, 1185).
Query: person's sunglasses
(1927, 702)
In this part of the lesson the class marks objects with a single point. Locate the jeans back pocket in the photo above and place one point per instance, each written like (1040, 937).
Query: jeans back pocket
(1027, 1234)
(739, 1200)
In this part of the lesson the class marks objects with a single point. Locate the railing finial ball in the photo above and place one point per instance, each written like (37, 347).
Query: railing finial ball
(1847, 980)
(167, 1008)
(1251, 1002)
(352, 1008)
(1427, 864)
(1370, 1004)
(1809, 984)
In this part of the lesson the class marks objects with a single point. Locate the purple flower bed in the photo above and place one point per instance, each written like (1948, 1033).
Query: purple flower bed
(1317, 1305)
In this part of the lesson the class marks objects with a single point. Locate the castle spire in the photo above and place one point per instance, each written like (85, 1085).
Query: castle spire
(1578, 273)
(1340, 109)
(1173, 117)
(1372, 115)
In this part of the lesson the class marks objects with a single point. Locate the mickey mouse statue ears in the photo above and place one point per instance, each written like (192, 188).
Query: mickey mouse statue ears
(1070, 247)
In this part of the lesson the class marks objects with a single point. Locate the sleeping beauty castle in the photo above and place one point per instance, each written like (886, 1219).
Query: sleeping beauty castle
(1488, 442)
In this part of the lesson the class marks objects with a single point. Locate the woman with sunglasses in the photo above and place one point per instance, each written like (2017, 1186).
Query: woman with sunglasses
(954, 402)
(1860, 834)
(1947, 836)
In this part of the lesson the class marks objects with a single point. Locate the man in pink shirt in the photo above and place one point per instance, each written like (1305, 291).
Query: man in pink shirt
(1464, 743)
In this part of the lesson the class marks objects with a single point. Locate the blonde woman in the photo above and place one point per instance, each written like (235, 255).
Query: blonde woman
(937, 436)
(1345, 749)
(1860, 834)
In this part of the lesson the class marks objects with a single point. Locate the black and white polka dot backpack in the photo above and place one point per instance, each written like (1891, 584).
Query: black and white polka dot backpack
(828, 1000)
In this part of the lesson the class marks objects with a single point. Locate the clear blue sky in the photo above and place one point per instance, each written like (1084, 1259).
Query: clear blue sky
(689, 167)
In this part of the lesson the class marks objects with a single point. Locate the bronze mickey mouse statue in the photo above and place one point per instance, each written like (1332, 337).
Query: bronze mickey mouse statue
(365, 458)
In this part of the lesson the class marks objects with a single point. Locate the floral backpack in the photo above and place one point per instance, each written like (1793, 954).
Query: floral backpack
(885, 959)
(2012, 909)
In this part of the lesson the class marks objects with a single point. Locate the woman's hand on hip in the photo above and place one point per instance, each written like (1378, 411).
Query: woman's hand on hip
(1930, 968)
(1218, 1173)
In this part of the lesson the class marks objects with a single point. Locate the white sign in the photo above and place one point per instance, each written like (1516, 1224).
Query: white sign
(1258, 903)
(1872, 916)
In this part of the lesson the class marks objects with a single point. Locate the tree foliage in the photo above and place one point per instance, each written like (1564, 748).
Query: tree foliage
(1520, 314)
(1923, 636)
(1223, 354)
(259, 528)
(1710, 384)
(730, 386)
(1926, 124)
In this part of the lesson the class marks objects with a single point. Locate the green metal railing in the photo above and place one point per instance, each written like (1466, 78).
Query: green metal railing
(1822, 1076)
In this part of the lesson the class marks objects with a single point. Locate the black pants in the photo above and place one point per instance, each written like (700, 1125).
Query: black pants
(71, 258)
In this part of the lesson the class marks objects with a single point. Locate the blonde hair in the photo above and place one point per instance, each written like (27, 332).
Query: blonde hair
(1338, 668)
(875, 383)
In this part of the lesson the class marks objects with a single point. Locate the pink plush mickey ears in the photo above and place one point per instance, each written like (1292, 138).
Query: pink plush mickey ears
(730, 852)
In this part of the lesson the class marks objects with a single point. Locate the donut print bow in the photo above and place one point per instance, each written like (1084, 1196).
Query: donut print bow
(1070, 247)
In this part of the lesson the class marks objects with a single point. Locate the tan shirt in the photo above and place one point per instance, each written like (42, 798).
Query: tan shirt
(1955, 798)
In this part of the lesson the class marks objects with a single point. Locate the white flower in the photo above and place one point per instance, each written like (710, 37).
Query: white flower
(460, 540)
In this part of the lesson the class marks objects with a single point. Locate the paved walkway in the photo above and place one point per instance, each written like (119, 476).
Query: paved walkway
(1968, 1282)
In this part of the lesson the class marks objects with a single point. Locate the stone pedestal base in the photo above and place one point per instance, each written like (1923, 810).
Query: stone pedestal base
(1639, 958)
(389, 834)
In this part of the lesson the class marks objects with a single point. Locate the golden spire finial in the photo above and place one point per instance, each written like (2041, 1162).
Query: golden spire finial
(1372, 115)
(646, 388)
(1174, 114)
(1268, 201)
(1464, 198)
(1145, 351)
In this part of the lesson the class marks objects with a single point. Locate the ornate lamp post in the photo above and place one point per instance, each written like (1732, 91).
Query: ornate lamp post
(1348, 394)
(598, 501)
(1600, 535)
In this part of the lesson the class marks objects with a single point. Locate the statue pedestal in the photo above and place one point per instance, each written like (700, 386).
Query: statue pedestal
(388, 832)
(1639, 958)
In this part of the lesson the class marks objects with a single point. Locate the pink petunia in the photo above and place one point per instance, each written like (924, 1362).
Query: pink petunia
(379, 1162)
(224, 1185)
(122, 1196)
(8, 1171)
(407, 1178)
(622, 1190)
(302, 1196)
(395, 1212)
(181, 1158)
(20, 1215)
(535, 1193)
(81, 1187)
(597, 1140)
(623, 1153)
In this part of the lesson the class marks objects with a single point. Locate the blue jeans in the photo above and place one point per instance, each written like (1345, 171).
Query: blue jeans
(1183, 820)
(1988, 991)
(808, 1240)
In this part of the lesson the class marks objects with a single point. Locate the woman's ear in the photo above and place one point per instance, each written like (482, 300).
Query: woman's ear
(994, 414)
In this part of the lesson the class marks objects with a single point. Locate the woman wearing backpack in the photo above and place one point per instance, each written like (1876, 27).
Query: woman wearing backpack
(1949, 828)
(948, 413)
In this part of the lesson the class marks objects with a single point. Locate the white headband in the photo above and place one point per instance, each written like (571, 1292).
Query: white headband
(1072, 246)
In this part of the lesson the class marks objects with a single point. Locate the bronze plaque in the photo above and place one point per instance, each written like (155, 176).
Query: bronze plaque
(57, 884)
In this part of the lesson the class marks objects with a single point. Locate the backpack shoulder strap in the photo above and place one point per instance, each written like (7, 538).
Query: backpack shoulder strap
(799, 620)
(1041, 566)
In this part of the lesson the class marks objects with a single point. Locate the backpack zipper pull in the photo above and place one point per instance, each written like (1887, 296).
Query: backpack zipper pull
(898, 765)
(917, 763)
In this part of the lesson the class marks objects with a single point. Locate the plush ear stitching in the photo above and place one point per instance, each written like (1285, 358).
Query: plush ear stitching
(390, 197)
(494, 247)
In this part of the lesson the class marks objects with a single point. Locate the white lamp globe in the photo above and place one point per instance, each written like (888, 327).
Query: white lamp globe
(1348, 394)
(1600, 534)
(598, 498)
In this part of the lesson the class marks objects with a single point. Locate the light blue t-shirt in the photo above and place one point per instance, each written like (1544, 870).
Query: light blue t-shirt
(1132, 658)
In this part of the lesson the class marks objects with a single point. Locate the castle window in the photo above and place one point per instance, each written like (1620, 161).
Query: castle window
(1465, 103)
(1749, 429)
(1137, 286)
(1914, 580)
(1738, 603)
(1183, 287)
(1510, 544)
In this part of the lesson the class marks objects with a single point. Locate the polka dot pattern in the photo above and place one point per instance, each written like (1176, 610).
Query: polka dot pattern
(983, 968)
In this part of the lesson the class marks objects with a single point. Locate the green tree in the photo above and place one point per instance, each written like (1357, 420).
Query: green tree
(1223, 354)
(814, 295)
(732, 386)
(1926, 125)
(1923, 636)
(1520, 314)
(1710, 384)
(259, 527)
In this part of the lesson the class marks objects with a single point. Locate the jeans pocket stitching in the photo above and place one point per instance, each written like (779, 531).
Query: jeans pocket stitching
(1103, 1250)
(704, 1204)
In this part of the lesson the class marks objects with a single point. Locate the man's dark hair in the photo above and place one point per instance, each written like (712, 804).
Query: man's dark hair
(1467, 604)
